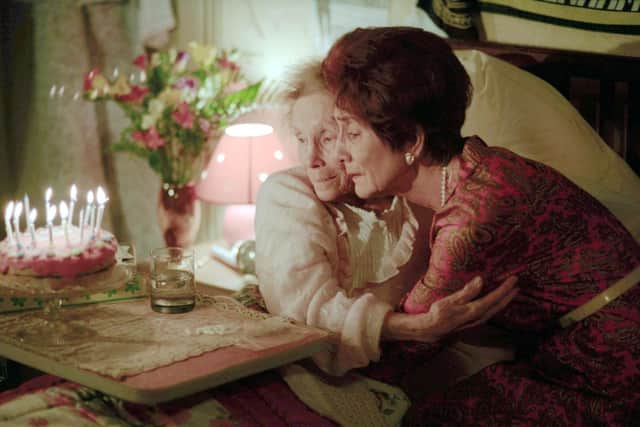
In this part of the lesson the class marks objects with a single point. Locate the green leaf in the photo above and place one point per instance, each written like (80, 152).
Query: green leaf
(201, 75)
(243, 96)
(155, 161)
(157, 80)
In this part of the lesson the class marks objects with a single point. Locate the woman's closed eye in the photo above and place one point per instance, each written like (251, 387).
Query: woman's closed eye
(328, 139)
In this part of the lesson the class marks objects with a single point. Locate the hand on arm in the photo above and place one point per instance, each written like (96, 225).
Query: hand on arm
(453, 313)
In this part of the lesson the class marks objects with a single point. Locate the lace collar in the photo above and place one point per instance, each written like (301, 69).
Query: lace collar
(373, 245)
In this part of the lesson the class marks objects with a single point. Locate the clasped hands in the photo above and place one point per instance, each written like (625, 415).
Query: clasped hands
(453, 313)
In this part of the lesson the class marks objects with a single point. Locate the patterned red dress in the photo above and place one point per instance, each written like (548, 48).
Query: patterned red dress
(508, 215)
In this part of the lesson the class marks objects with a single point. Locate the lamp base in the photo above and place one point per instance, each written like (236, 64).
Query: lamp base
(238, 223)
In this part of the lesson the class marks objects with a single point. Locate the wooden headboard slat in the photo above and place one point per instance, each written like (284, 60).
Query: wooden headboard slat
(606, 126)
(633, 126)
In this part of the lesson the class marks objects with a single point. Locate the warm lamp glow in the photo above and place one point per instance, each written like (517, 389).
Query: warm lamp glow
(247, 130)
(243, 159)
(245, 156)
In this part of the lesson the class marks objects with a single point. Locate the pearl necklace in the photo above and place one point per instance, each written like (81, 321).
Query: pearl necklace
(443, 186)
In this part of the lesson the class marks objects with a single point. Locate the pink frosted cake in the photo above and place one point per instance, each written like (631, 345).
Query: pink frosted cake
(67, 256)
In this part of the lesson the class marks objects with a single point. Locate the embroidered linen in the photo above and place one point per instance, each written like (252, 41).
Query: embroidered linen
(352, 400)
(133, 339)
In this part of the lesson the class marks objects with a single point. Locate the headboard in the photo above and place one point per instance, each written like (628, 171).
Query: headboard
(605, 89)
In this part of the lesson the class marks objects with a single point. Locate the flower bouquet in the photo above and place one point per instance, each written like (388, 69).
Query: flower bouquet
(178, 105)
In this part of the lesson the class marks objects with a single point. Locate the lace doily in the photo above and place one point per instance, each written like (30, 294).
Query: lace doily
(352, 400)
(131, 338)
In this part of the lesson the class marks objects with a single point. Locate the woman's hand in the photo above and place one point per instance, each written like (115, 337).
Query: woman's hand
(456, 312)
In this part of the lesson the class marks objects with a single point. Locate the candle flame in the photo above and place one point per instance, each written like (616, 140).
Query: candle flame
(17, 211)
(33, 215)
(64, 210)
(101, 196)
(73, 192)
(8, 211)
(90, 197)
(51, 214)
(47, 194)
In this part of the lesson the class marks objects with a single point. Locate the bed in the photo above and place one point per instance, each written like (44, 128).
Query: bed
(605, 90)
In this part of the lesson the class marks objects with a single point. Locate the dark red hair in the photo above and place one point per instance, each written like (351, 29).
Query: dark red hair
(400, 80)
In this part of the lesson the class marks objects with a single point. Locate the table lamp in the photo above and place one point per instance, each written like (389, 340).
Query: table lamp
(243, 159)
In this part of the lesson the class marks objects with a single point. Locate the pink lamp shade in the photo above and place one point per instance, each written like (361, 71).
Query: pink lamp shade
(243, 159)
(245, 156)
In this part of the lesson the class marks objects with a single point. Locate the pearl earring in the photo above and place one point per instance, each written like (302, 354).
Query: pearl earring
(409, 158)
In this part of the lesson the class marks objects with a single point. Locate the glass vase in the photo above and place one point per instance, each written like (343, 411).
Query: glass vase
(178, 214)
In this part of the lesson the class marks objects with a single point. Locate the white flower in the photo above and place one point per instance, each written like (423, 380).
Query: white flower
(210, 88)
(148, 121)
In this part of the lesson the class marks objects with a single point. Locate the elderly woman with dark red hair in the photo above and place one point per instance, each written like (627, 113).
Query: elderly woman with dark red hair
(401, 96)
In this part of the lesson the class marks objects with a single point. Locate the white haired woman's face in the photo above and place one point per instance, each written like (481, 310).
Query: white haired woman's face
(316, 131)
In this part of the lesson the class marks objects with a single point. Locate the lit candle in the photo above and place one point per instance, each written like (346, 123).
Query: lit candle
(101, 197)
(27, 208)
(90, 212)
(17, 211)
(31, 219)
(8, 213)
(64, 213)
(51, 214)
(81, 224)
(73, 194)
(47, 198)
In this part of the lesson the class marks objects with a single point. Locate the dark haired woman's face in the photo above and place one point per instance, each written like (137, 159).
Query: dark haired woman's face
(316, 131)
(374, 168)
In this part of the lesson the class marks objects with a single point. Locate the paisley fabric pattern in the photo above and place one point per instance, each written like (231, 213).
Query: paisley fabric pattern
(514, 394)
(508, 215)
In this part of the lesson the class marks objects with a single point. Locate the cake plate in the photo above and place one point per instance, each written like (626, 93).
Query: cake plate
(56, 326)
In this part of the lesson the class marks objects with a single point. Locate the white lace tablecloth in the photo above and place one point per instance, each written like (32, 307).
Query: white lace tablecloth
(130, 338)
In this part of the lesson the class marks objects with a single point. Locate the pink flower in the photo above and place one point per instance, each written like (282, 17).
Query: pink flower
(151, 138)
(182, 59)
(183, 116)
(135, 96)
(88, 79)
(186, 82)
(141, 61)
(226, 63)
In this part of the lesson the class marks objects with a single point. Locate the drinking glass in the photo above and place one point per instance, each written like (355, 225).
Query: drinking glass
(173, 288)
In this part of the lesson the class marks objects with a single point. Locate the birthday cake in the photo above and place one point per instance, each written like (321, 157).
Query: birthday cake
(61, 253)
(59, 250)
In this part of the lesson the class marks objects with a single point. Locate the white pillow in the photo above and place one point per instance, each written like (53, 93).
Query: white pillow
(514, 109)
